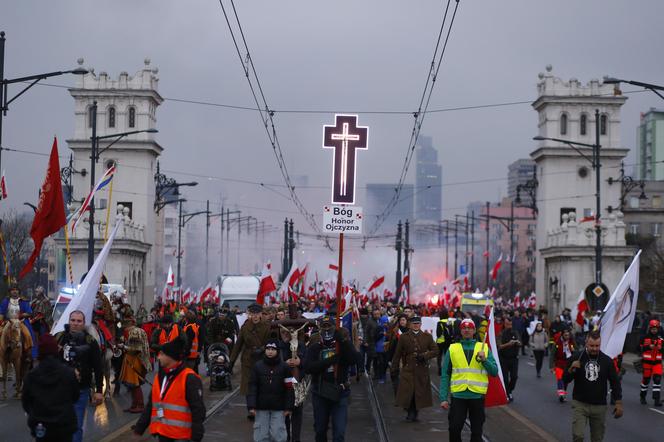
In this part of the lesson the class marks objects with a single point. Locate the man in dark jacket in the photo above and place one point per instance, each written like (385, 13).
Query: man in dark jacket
(81, 351)
(270, 398)
(328, 361)
(508, 352)
(590, 372)
(169, 392)
(49, 393)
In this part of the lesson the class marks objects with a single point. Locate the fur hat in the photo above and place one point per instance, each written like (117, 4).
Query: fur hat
(174, 349)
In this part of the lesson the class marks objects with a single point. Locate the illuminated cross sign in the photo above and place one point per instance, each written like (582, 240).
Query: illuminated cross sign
(344, 137)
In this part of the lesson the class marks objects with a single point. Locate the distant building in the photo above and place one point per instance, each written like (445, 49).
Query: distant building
(644, 212)
(378, 197)
(519, 172)
(429, 173)
(650, 136)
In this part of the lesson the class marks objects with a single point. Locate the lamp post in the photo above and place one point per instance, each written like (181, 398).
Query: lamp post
(33, 79)
(183, 219)
(596, 166)
(652, 87)
(94, 158)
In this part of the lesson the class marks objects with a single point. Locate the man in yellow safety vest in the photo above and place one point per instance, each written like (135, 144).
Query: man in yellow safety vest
(465, 374)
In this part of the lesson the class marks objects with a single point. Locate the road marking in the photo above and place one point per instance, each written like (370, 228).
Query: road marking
(530, 363)
(528, 423)
(657, 411)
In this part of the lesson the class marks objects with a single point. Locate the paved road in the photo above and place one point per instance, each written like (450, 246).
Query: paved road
(231, 424)
(536, 399)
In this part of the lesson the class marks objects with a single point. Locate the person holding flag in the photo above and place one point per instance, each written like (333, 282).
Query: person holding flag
(465, 375)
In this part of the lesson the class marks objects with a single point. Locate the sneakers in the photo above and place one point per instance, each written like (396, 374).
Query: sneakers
(510, 397)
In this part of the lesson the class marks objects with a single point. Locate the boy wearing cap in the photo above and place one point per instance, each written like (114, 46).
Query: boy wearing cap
(414, 349)
(271, 396)
(465, 373)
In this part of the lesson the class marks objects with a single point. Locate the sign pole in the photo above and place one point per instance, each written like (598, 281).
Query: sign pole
(340, 279)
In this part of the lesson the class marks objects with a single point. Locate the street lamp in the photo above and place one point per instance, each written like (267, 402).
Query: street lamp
(596, 165)
(652, 87)
(182, 221)
(33, 79)
(94, 157)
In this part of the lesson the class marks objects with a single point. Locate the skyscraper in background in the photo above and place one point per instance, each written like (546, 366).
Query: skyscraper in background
(428, 181)
(519, 172)
(650, 136)
(376, 199)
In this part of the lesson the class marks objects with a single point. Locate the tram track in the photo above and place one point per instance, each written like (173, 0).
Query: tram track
(467, 422)
(222, 403)
(377, 412)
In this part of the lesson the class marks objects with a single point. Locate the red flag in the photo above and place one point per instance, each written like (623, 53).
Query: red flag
(3, 187)
(267, 284)
(496, 393)
(496, 267)
(50, 214)
(580, 307)
(376, 283)
(405, 287)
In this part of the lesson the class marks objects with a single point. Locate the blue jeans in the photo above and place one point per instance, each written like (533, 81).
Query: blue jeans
(79, 409)
(324, 409)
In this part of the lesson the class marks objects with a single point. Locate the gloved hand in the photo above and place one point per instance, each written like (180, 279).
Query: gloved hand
(618, 410)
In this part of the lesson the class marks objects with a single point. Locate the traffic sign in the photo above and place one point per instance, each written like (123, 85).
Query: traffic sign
(342, 219)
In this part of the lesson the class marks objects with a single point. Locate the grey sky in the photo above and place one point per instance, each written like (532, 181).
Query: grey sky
(344, 55)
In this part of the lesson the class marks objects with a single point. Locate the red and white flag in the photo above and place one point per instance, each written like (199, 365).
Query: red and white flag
(377, 283)
(516, 302)
(286, 291)
(267, 284)
(532, 301)
(405, 287)
(496, 393)
(207, 291)
(496, 267)
(580, 307)
(3, 187)
(170, 278)
(186, 296)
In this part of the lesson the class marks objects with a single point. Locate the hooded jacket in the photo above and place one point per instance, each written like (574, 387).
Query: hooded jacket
(268, 389)
(50, 391)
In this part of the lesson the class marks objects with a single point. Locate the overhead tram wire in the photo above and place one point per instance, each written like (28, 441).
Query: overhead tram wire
(427, 92)
(265, 113)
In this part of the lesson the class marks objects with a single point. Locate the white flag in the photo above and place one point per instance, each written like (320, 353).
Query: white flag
(85, 297)
(618, 315)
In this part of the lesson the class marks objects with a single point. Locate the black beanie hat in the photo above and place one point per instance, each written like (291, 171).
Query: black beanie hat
(174, 349)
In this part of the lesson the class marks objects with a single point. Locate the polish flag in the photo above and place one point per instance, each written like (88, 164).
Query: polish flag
(216, 294)
(170, 278)
(532, 301)
(290, 382)
(267, 284)
(286, 290)
(516, 302)
(377, 283)
(580, 307)
(496, 394)
(186, 296)
(207, 291)
(405, 285)
(496, 267)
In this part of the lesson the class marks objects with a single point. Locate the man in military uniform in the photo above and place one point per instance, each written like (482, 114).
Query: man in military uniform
(220, 328)
(253, 335)
(413, 352)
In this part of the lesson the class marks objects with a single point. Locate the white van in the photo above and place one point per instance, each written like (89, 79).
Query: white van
(239, 291)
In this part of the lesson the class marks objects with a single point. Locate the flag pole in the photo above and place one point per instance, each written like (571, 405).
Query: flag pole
(340, 278)
(69, 266)
(108, 210)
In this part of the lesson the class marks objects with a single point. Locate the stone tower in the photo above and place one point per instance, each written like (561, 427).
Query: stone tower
(128, 103)
(566, 190)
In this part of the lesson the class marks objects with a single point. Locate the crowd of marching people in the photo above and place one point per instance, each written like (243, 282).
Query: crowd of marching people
(287, 354)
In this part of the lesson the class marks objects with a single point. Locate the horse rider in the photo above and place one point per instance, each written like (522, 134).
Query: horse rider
(43, 312)
(18, 308)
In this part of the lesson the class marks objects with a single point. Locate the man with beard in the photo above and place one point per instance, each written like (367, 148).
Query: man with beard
(591, 371)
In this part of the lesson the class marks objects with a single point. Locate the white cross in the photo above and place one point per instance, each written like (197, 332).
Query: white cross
(345, 137)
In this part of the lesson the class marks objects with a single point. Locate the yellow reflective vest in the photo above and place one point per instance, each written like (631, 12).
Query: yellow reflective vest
(466, 376)
(441, 338)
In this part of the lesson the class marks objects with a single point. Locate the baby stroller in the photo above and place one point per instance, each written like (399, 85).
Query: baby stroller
(219, 367)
